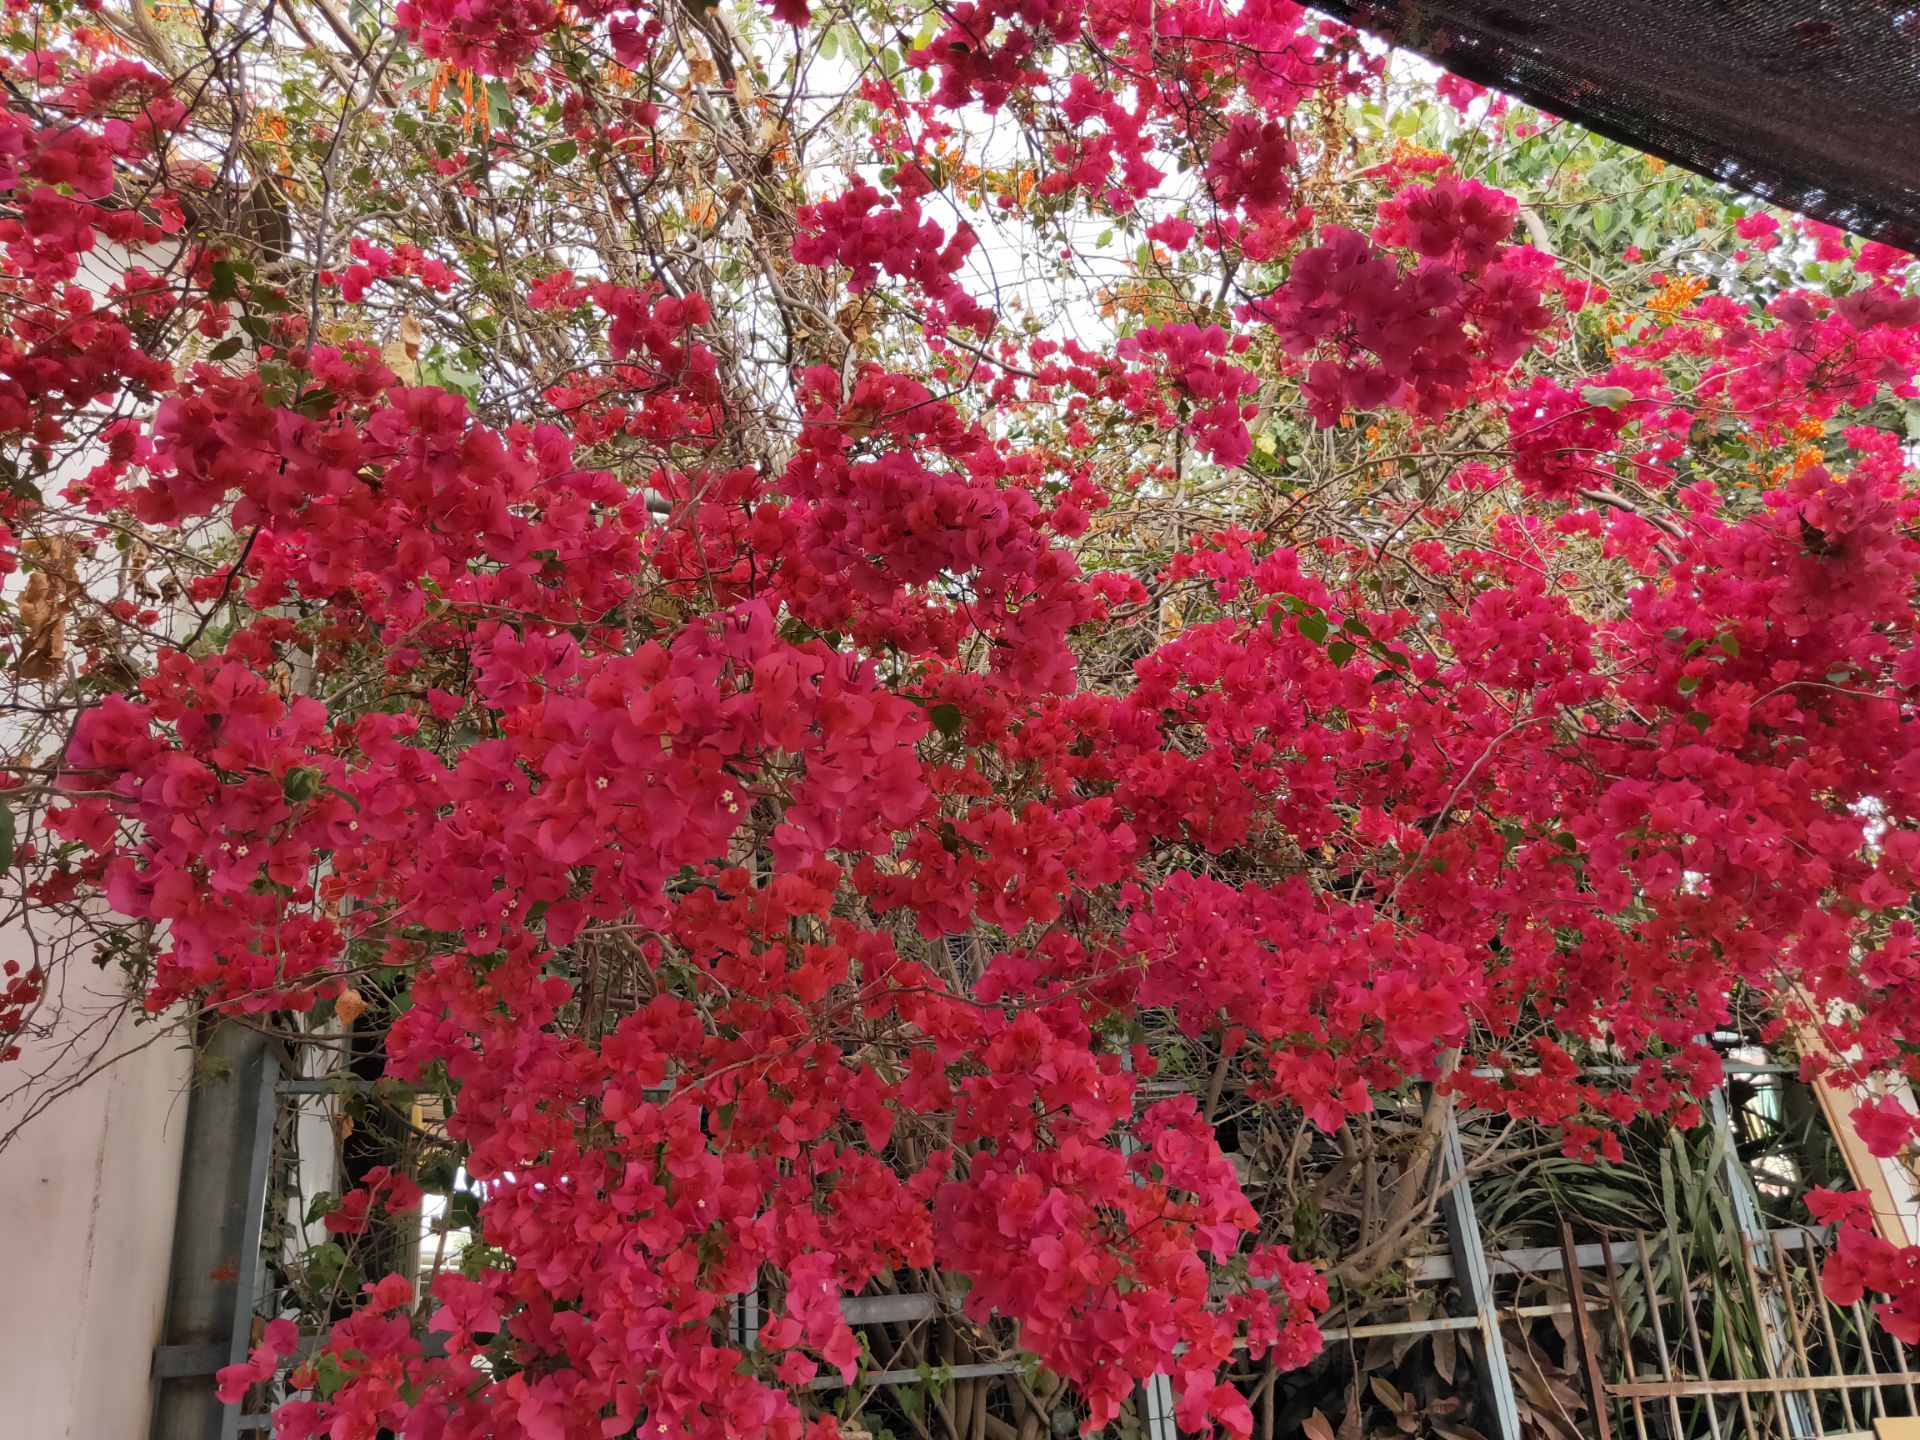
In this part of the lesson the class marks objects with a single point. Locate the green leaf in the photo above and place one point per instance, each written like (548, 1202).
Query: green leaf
(227, 275)
(1340, 651)
(6, 837)
(227, 348)
(463, 1211)
(449, 376)
(1730, 645)
(1689, 684)
(302, 785)
(328, 1377)
(564, 151)
(437, 1169)
(1314, 627)
(946, 718)
(1609, 397)
(325, 1262)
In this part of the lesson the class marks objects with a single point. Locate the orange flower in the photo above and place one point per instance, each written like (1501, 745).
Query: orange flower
(1677, 294)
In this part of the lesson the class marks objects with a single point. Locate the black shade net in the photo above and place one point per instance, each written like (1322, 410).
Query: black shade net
(1814, 106)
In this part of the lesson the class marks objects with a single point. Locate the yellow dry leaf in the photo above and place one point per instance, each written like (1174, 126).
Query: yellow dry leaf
(402, 353)
(43, 608)
(43, 625)
(350, 1006)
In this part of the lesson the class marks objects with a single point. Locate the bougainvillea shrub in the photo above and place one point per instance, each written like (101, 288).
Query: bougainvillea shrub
(802, 607)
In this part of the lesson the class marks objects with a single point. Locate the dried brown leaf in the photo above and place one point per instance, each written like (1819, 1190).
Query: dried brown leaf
(1350, 1424)
(1446, 1352)
(43, 627)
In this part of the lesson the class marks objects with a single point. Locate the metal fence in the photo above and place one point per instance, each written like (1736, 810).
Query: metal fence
(1717, 1329)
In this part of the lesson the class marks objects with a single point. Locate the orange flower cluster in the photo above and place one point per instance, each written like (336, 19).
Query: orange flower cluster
(1677, 294)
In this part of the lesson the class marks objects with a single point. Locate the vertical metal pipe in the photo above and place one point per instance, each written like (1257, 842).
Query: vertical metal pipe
(1476, 1284)
(259, 1172)
(216, 1238)
(1776, 1354)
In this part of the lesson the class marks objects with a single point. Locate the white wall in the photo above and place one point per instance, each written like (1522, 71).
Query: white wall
(87, 1198)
